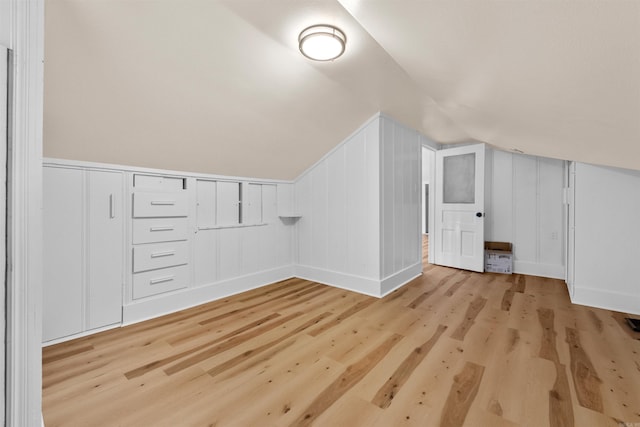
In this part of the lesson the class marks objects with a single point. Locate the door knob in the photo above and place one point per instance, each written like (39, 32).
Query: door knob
(479, 214)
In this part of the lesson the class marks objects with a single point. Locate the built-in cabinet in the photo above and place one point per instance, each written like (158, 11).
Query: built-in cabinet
(122, 244)
(83, 219)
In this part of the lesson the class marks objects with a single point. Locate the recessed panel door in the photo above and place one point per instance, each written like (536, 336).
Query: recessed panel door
(105, 248)
(63, 253)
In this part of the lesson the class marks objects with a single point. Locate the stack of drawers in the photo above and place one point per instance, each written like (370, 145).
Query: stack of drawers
(160, 235)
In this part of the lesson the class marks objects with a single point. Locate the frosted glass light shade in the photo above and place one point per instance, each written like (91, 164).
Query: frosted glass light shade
(322, 42)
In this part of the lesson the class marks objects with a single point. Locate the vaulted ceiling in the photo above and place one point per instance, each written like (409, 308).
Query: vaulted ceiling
(220, 86)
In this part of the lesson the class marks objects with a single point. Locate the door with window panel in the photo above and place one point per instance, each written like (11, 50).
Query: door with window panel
(459, 209)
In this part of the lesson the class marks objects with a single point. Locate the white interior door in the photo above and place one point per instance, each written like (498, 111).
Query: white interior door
(459, 208)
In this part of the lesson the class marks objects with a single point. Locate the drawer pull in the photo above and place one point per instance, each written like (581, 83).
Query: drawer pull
(161, 280)
(163, 202)
(161, 229)
(112, 207)
(161, 254)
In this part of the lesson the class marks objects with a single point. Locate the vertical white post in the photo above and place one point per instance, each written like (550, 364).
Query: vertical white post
(23, 31)
(4, 86)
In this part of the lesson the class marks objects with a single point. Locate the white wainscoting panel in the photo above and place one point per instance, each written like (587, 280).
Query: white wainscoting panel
(526, 209)
(221, 254)
(401, 177)
(607, 236)
(337, 212)
(360, 207)
(338, 198)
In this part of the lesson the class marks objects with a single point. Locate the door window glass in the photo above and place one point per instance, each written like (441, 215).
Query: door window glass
(459, 182)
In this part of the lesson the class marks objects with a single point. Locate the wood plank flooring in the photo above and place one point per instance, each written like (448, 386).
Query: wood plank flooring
(451, 348)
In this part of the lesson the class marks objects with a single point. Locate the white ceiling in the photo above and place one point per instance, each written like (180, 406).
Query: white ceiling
(220, 87)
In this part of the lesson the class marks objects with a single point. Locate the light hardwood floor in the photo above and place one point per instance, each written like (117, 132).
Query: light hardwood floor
(451, 348)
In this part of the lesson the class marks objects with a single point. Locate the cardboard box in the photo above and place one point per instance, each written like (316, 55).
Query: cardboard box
(498, 257)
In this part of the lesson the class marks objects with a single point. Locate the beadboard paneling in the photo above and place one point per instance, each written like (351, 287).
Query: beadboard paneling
(338, 233)
(525, 208)
(400, 197)
(607, 232)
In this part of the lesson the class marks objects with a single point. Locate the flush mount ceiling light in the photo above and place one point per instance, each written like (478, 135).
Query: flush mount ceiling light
(322, 42)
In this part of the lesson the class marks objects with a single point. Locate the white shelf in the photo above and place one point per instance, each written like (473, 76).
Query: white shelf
(290, 215)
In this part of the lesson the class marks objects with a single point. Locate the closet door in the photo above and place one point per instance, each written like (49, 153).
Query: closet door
(63, 221)
(105, 248)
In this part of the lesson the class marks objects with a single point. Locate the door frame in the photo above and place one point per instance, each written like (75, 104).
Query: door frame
(4, 121)
(569, 226)
(432, 147)
(24, 35)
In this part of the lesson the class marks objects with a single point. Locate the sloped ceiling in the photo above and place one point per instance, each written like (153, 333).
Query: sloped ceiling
(220, 87)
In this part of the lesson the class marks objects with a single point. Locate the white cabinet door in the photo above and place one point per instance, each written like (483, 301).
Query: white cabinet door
(228, 203)
(63, 252)
(252, 205)
(83, 250)
(205, 203)
(105, 221)
(269, 204)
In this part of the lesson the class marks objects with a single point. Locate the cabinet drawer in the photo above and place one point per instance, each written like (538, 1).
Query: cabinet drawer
(152, 230)
(159, 281)
(159, 255)
(157, 182)
(150, 205)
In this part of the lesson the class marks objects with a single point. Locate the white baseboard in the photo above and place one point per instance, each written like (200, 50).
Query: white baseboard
(625, 303)
(80, 335)
(552, 271)
(160, 305)
(393, 282)
(362, 285)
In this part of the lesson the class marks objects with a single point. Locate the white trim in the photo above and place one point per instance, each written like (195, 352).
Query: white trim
(24, 254)
(159, 305)
(431, 257)
(625, 303)
(552, 271)
(220, 227)
(81, 334)
(349, 282)
(399, 279)
(4, 142)
(79, 164)
(430, 144)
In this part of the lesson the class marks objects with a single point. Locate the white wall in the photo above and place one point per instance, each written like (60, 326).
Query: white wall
(607, 238)
(5, 23)
(400, 186)
(338, 234)
(360, 207)
(526, 209)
